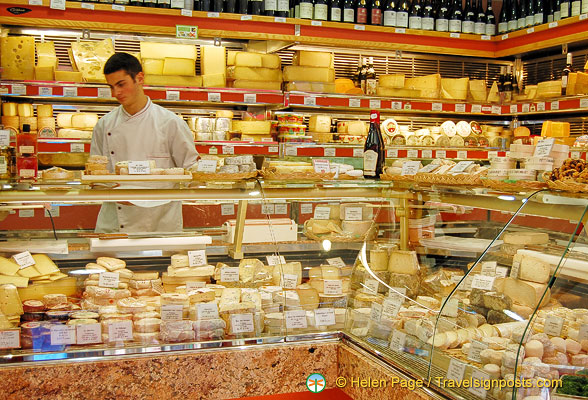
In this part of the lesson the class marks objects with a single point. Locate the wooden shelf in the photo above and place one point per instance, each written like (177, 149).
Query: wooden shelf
(235, 26)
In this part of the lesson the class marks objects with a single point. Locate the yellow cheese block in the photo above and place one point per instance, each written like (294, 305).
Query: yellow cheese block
(391, 81)
(393, 92)
(68, 76)
(29, 272)
(478, 90)
(343, 85)
(179, 66)
(90, 58)
(212, 60)
(72, 60)
(261, 85)
(178, 81)
(253, 127)
(548, 89)
(555, 129)
(231, 55)
(214, 80)
(152, 66)
(151, 50)
(454, 89)
(429, 86)
(45, 110)
(8, 267)
(25, 110)
(45, 122)
(319, 87)
(18, 281)
(46, 49)
(30, 121)
(47, 62)
(44, 73)
(571, 88)
(11, 123)
(64, 120)
(9, 109)
(18, 57)
(581, 86)
(36, 291)
(308, 74)
(271, 61)
(245, 59)
(44, 264)
(493, 96)
(84, 120)
(254, 74)
(319, 123)
(313, 59)
(10, 302)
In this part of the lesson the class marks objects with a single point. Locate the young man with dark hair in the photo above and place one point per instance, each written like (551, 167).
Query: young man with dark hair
(139, 130)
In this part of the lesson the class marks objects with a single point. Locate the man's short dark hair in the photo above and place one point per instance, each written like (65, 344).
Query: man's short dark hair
(123, 62)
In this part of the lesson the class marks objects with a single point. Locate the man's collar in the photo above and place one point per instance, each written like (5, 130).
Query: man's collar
(138, 113)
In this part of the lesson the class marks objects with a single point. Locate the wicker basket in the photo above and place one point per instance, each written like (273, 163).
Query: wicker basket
(397, 178)
(567, 185)
(342, 238)
(453, 180)
(511, 186)
(272, 175)
(214, 177)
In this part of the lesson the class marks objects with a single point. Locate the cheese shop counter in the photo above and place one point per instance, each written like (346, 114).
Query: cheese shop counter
(465, 283)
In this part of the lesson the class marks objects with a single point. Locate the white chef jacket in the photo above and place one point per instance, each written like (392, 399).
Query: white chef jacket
(153, 133)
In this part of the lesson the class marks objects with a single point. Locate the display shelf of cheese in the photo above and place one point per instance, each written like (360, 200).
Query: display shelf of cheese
(238, 147)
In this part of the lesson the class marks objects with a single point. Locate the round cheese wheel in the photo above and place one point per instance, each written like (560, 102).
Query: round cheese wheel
(449, 128)
(534, 348)
(390, 127)
(224, 114)
(463, 129)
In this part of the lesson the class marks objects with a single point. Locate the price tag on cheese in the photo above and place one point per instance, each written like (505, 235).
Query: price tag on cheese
(358, 153)
(541, 106)
(321, 166)
(476, 108)
(4, 137)
(227, 209)
(268, 209)
(410, 167)
(197, 258)
(530, 30)
(486, 37)
(213, 150)
(397, 294)
(496, 110)
(440, 154)
(354, 103)
(584, 103)
(281, 209)
(26, 213)
(398, 340)
(392, 153)
(376, 312)
(336, 262)
(172, 312)
(104, 93)
(475, 349)
(187, 13)
(45, 91)
(322, 212)
(333, 287)
(489, 268)
(88, 334)
(553, 24)
(87, 6)
(139, 168)
(230, 274)
(273, 149)
(63, 334)
(526, 108)
(478, 381)
(353, 214)
(24, 259)
(437, 107)
(397, 105)
(543, 148)
(214, 97)
(289, 281)
(555, 105)
(501, 272)
(330, 152)
(400, 30)
(390, 309)
(194, 285)
(325, 316)
(207, 311)
(242, 323)
(460, 166)
(513, 108)
(483, 282)
(454, 35)
(375, 104)
(108, 280)
(412, 153)
(207, 165)
(427, 153)
(461, 108)
(306, 208)
(360, 27)
(575, 155)
(275, 260)
(118, 7)
(228, 149)
(429, 168)
(35, 2)
(553, 325)
(120, 331)
(19, 89)
(372, 285)
(76, 148)
(213, 15)
(296, 319)
(70, 92)
(583, 334)
(250, 98)
(456, 370)
(10, 339)
(309, 101)
(514, 271)
(57, 4)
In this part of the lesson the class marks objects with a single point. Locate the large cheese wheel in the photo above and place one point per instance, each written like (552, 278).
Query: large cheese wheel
(9, 109)
(44, 110)
(31, 121)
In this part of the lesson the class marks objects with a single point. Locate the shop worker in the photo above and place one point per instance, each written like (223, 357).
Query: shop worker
(139, 130)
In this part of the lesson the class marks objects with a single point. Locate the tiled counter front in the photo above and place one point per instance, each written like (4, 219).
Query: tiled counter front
(210, 375)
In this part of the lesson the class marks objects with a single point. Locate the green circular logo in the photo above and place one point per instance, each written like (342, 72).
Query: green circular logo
(316, 383)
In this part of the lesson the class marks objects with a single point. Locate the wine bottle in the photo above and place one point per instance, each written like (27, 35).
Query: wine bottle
(576, 8)
(442, 20)
(335, 10)
(361, 12)
(513, 15)
(564, 9)
(428, 18)
(565, 73)
(269, 7)
(490, 20)
(530, 13)
(501, 78)
(321, 10)
(480, 25)
(139, 3)
(556, 10)
(153, 3)
(362, 75)
(550, 11)
(296, 8)
(175, 4)
(390, 13)
(469, 18)
(521, 21)
(357, 74)
(456, 17)
(163, 3)
(243, 6)
(306, 9)
(539, 13)
(415, 15)
(504, 17)
(282, 8)
(349, 11)
(508, 85)
(402, 15)
(371, 80)
(376, 13)
(374, 155)
(584, 6)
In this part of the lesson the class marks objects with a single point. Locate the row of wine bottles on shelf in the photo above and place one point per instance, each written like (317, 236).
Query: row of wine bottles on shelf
(521, 14)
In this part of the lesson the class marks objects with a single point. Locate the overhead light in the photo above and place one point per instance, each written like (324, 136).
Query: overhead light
(507, 198)
(326, 245)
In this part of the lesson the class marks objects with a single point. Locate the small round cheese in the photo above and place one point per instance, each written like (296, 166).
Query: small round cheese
(573, 347)
(534, 348)
(559, 343)
(463, 129)
(492, 370)
(448, 128)
(147, 325)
